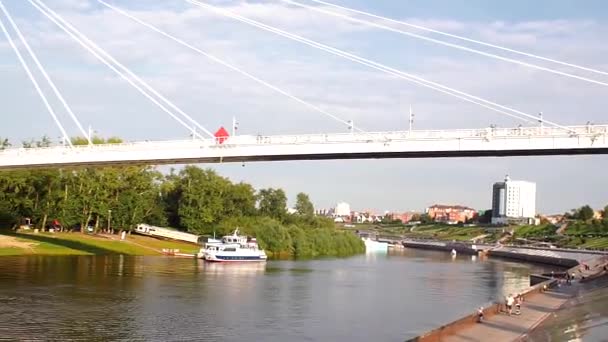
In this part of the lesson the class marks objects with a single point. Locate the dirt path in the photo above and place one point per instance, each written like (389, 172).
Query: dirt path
(11, 242)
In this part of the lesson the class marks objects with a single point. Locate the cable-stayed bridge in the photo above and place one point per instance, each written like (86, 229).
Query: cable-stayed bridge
(534, 136)
(244, 148)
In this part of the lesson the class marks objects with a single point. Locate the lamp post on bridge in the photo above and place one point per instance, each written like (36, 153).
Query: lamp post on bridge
(411, 120)
(193, 134)
(541, 121)
(235, 126)
(91, 133)
(351, 126)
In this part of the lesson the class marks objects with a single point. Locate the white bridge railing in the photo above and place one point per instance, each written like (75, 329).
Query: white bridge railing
(590, 131)
(496, 141)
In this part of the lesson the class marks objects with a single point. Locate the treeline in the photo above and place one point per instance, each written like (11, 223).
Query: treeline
(194, 200)
(586, 222)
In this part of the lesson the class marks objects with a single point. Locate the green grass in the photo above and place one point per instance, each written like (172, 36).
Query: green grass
(7, 251)
(446, 233)
(84, 244)
(535, 231)
(595, 243)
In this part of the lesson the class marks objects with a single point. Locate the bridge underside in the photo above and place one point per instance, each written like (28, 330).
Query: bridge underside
(322, 156)
(383, 145)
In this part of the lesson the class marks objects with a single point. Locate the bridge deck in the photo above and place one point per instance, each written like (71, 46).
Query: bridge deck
(416, 144)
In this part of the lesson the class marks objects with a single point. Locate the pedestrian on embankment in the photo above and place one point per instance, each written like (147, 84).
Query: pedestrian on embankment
(510, 301)
(480, 315)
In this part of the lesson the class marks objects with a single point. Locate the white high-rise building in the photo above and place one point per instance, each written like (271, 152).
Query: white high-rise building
(513, 200)
(342, 209)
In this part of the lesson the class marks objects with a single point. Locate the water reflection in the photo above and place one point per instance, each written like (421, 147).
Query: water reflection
(232, 269)
(389, 296)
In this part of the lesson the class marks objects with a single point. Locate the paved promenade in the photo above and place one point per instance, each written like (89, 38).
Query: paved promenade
(536, 308)
(502, 327)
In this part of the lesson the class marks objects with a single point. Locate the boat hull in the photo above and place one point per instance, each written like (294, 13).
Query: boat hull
(234, 258)
(240, 256)
(234, 261)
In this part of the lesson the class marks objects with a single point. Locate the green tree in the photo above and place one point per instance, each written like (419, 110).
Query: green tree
(239, 200)
(194, 199)
(4, 144)
(425, 219)
(585, 213)
(304, 206)
(272, 203)
(202, 198)
(605, 212)
(273, 236)
(301, 245)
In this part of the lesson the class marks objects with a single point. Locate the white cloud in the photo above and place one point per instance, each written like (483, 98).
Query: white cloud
(213, 94)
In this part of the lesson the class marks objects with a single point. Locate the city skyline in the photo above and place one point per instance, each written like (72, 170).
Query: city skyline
(375, 102)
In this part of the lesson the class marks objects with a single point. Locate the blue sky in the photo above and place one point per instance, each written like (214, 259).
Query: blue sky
(568, 30)
(513, 10)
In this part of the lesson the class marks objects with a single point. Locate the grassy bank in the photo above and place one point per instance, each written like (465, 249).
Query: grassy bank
(84, 244)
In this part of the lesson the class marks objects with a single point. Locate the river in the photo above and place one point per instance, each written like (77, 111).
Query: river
(381, 297)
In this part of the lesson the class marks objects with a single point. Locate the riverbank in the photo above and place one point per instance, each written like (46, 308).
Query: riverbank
(541, 300)
(14, 244)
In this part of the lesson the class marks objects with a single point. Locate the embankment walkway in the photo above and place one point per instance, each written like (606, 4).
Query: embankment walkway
(502, 327)
(537, 306)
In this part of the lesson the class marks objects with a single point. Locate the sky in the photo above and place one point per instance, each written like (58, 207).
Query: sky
(570, 31)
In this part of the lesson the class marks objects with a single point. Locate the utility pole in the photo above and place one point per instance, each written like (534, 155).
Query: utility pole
(540, 120)
(235, 126)
(193, 133)
(411, 119)
(351, 126)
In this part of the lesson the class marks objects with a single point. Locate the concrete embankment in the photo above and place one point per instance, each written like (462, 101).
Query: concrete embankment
(461, 328)
(441, 246)
(544, 296)
(556, 257)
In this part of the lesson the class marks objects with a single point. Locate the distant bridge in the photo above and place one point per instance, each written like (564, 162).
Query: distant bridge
(491, 142)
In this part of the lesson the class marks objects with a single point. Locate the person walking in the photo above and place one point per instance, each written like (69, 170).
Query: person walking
(480, 315)
(510, 301)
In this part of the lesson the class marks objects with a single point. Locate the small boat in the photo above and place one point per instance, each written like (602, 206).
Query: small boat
(374, 246)
(232, 248)
(454, 252)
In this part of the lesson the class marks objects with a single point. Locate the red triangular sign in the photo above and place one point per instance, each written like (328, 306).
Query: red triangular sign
(221, 135)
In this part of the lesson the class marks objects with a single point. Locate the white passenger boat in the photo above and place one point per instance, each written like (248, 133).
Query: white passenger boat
(233, 248)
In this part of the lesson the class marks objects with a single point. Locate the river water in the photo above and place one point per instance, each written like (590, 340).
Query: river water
(381, 297)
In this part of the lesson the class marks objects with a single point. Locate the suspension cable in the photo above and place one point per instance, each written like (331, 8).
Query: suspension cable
(107, 59)
(377, 66)
(229, 66)
(419, 27)
(441, 42)
(35, 83)
(45, 74)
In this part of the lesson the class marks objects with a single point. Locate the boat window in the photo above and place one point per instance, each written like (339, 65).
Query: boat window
(230, 249)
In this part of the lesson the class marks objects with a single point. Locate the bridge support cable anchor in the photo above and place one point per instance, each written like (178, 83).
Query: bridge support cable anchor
(114, 65)
(444, 43)
(34, 81)
(374, 65)
(450, 35)
(226, 64)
